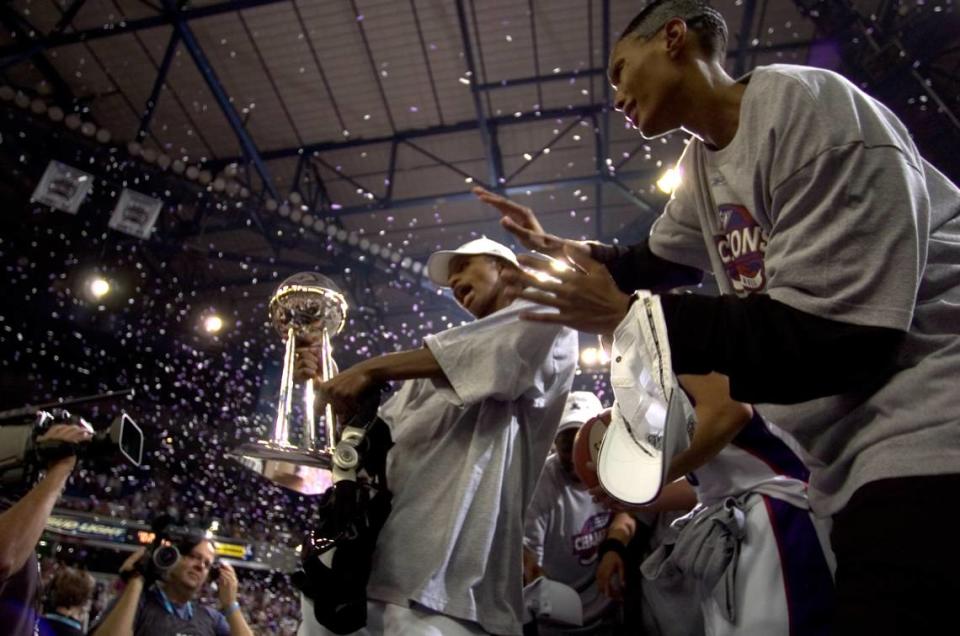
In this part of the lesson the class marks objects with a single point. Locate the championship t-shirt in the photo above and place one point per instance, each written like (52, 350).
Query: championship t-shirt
(823, 202)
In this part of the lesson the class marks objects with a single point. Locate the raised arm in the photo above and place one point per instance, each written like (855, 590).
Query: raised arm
(23, 523)
(719, 419)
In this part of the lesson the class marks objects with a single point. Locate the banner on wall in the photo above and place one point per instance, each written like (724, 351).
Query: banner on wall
(84, 527)
(63, 187)
(135, 214)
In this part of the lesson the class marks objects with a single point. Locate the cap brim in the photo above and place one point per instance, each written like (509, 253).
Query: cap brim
(634, 472)
(571, 423)
(438, 267)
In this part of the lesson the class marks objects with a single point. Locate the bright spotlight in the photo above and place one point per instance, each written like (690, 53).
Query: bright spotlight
(589, 356)
(99, 287)
(213, 324)
(670, 181)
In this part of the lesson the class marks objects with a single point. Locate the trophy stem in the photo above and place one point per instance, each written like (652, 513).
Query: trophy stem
(308, 442)
(327, 373)
(281, 427)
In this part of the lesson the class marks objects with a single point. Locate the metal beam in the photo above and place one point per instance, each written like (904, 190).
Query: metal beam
(536, 52)
(391, 172)
(62, 24)
(546, 149)
(20, 28)
(481, 123)
(540, 186)
(402, 135)
(630, 195)
(158, 83)
(426, 60)
(542, 79)
(446, 164)
(123, 25)
(605, 132)
(492, 122)
(373, 64)
(223, 100)
(377, 201)
(743, 40)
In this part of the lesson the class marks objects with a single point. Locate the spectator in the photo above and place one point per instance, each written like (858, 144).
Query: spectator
(69, 597)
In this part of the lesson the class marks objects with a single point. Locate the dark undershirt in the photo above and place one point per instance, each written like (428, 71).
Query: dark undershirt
(772, 352)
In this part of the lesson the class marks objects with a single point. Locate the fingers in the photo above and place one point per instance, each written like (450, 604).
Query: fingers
(551, 318)
(227, 575)
(133, 558)
(541, 298)
(72, 433)
(526, 235)
(343, 399)
(307, 364)
(582, 259)
(552, 268)
(502, 203)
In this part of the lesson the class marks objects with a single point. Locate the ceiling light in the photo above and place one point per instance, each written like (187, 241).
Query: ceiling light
(670, 181)
(99, 287)
(213, 324)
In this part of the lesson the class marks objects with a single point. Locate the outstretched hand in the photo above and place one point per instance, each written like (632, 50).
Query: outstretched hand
(586, 298)
(520, 221)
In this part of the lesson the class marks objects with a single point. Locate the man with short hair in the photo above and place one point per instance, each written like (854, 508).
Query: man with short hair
(169, 606)
(472, 426)
(833, 243)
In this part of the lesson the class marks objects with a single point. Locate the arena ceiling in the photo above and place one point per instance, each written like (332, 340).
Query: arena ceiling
(344, 136)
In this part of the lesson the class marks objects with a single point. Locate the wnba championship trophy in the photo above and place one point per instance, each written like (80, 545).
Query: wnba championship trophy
(307, 308)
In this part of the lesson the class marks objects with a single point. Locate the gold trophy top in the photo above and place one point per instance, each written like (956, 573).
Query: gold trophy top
(309, 303)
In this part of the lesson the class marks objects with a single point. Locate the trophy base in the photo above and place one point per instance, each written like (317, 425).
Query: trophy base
(308, 472)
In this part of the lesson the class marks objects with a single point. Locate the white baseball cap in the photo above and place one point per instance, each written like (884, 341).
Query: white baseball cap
(581, 406)
(648, 420)
(438, 265)
(635, 454)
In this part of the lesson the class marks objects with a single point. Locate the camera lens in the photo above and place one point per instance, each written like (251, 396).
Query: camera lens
(165, 557)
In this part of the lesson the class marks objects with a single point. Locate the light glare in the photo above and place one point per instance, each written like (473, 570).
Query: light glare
(99, 287)
(213, 323)
(670, 181)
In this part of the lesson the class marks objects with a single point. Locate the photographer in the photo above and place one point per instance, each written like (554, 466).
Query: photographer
(167, 606)
(21, 525)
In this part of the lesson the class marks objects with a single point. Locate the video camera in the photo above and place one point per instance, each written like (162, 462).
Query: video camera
(23, 455)
(169, 542)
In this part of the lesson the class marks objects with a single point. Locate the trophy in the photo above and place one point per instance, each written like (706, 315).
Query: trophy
(306, 307)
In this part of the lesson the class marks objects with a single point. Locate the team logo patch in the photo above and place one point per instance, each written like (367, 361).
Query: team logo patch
(741, 244)
(592, 534)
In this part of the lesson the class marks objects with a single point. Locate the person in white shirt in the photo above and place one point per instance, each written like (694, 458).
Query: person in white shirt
(565, 527)
(472, 426)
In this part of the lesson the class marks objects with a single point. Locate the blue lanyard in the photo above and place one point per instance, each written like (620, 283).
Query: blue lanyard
(167, 605)
(60, 618)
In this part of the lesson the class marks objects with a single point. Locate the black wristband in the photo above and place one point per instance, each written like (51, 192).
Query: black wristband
(611, 545)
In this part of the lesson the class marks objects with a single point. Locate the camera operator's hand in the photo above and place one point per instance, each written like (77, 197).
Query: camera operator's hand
(130, 565)
(227, 586)
(70, 433)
